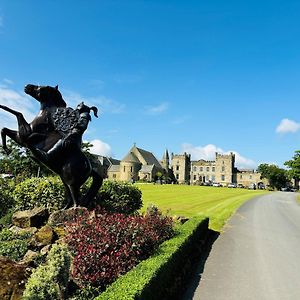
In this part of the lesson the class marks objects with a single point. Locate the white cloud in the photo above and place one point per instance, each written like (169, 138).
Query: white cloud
(287, 125)
(103, 103)
(18, 101)
(208, 152)
(158, 109)
(100, 148)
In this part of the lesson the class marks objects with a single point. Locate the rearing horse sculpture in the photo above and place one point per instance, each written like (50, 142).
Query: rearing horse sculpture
(54, 138)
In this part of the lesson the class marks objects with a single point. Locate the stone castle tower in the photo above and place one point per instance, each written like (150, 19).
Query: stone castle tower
(181, 166)
(225, 168)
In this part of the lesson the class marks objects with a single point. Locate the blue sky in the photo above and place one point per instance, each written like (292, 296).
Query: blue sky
(195, 76)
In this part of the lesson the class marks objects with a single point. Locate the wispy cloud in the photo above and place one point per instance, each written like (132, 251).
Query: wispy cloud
(8, 81)
(97, 83)
(103, 103)
(18, 101)
(286, 126)
(180, 120)
(208, 152)
(158, 109)
(127, 78)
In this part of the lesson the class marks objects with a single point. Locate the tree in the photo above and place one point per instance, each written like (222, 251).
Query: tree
(294, 167)
(276, 176)
(20, 163)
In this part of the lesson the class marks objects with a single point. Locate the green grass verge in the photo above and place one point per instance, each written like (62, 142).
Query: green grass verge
(216, 203)
(155, 277)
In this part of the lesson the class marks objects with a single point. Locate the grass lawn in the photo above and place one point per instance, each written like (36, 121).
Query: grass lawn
(185, 200)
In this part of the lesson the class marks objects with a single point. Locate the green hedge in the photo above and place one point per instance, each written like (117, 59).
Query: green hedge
(162, 275)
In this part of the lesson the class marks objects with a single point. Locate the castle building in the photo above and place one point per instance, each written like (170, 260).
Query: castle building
(221, 170)
(139, 164)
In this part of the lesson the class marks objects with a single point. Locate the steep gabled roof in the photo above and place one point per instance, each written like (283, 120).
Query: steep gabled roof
(130, 157)
(148, 157)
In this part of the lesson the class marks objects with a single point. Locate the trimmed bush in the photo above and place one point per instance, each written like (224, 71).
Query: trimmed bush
(45, 191)
(49, 281)
(107, 245)
(162, 275)
(49, 192)
(120, 197)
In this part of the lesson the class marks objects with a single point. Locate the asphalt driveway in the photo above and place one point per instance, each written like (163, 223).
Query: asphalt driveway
(258, 254)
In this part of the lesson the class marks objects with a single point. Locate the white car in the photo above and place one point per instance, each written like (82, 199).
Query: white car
(217, 184)
(232, 185)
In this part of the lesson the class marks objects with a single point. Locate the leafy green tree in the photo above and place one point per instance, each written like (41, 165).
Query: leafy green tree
(294, 167)
(276, 176)
(20, 162)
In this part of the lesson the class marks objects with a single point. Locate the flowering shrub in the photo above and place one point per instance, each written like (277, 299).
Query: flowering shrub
(107, 245)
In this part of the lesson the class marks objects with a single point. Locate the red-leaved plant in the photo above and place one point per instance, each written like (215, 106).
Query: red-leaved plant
(107, 245)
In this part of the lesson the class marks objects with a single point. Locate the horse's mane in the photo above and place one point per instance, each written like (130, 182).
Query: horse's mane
(58, 100)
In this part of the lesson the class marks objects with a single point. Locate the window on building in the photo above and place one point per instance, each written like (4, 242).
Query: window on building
(194, 168)
(201, 169)
(124, 169)
(177, 168)
(213, 178)
(223, 169)
(241, 176)
(207, 169)
(250, 176)
(195, 177)
(177, 176)
(223, 177)
(114, 176)
(213, 169)
(223, 162)
(130, 169)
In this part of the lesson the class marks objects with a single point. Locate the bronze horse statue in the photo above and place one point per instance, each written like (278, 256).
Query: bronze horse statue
(54, 137)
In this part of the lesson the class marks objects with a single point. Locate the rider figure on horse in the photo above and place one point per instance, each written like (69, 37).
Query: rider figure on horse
(74, 137)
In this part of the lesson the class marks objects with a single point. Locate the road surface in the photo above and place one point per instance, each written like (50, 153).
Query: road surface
(257, 256)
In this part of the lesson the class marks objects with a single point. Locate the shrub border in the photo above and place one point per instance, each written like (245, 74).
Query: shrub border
(163, 275)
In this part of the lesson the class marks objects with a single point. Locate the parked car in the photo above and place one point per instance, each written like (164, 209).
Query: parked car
(252, 186)
(288, 189)
(241, 186)
(217, 184)
(231, 185)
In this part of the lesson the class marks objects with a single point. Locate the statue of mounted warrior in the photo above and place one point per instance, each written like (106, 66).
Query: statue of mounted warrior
(54, 137)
